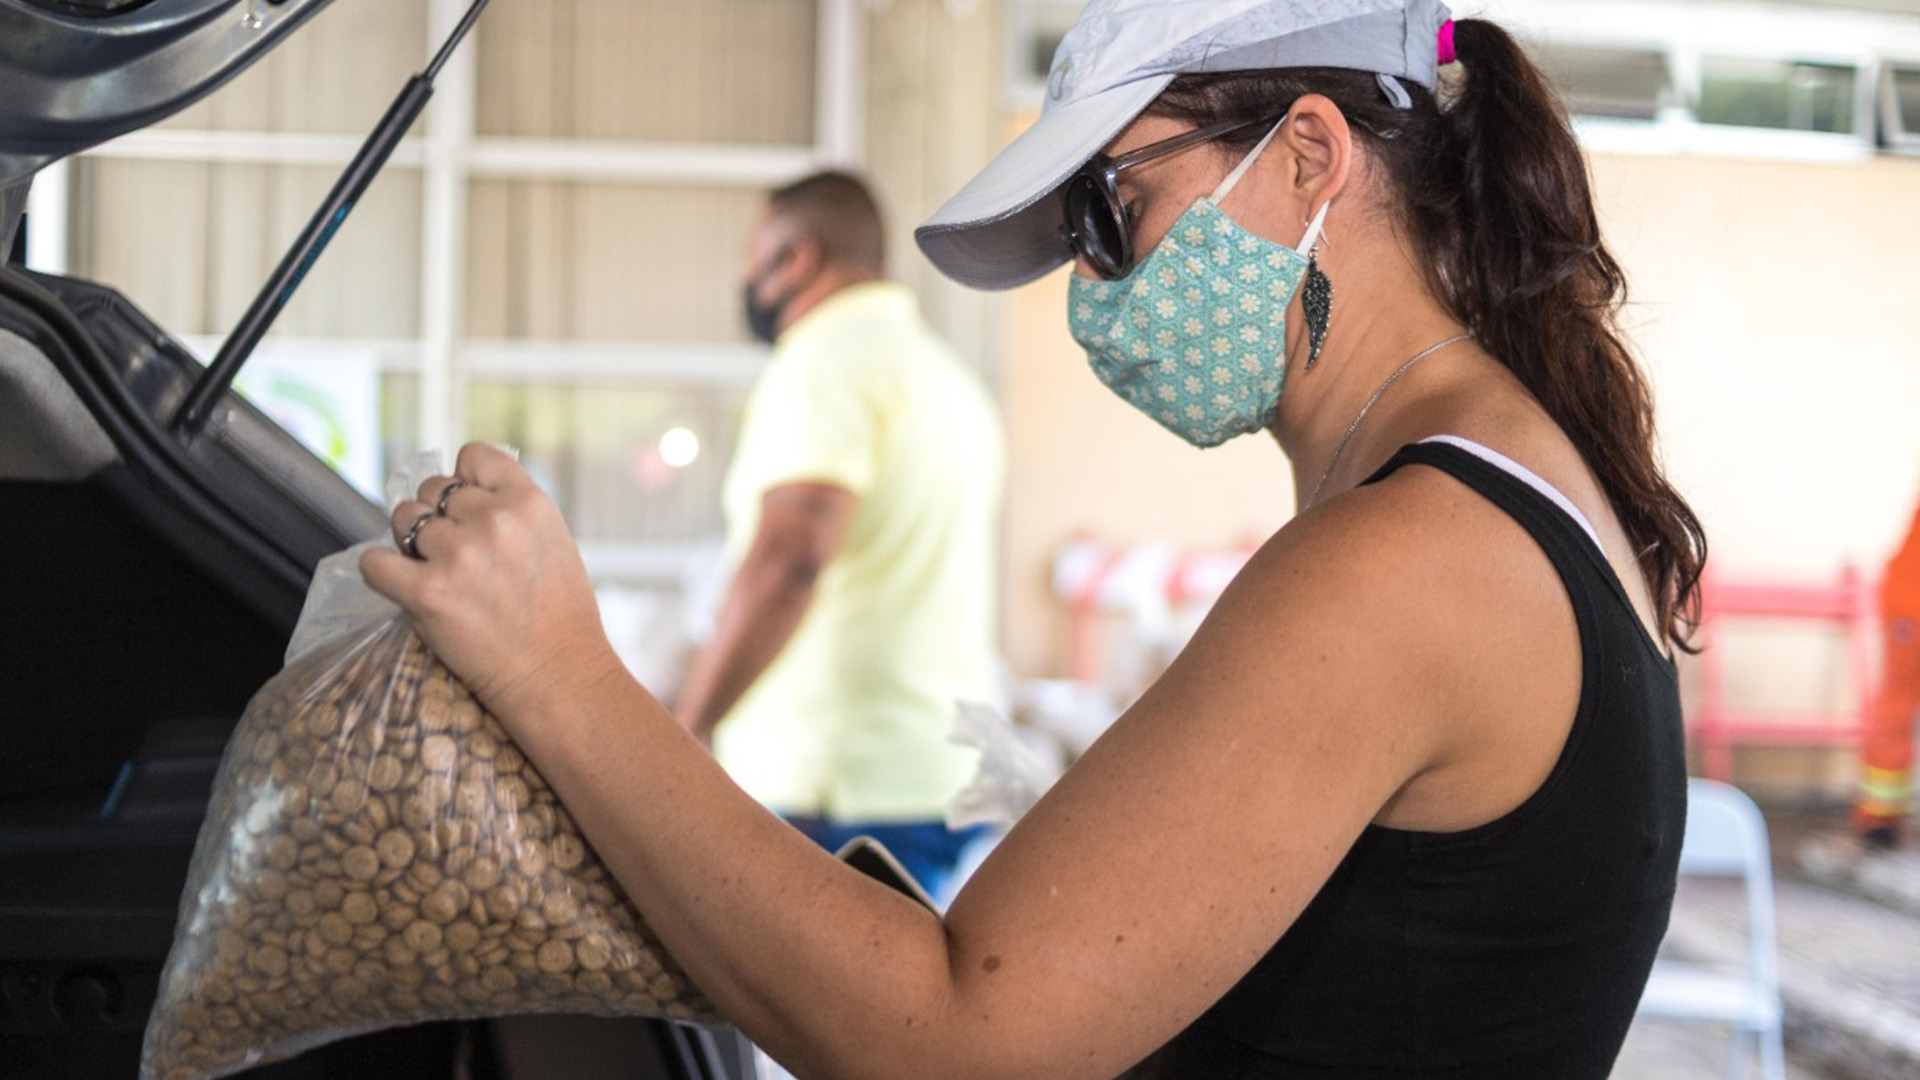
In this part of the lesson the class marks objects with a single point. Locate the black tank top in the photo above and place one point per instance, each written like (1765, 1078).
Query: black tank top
(1517, 949)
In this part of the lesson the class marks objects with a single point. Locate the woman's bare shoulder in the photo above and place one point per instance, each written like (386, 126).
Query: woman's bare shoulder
(1386, 542)
(1457, 624)
(1360, 604)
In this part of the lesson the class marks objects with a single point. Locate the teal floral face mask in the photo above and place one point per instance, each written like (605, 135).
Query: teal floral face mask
(1195, 336)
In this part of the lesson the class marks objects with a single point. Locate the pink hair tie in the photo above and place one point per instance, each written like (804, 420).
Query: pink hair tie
(1447, 54)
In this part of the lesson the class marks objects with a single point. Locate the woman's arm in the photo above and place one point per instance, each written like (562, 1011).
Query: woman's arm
(1164, 864)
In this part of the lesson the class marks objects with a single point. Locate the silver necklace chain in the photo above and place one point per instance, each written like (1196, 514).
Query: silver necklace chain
(1362, 415)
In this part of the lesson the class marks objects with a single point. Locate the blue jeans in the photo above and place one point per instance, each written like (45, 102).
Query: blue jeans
(927, 849)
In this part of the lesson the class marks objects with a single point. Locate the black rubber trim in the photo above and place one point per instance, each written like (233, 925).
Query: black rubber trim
(146, 447)
(98, 9)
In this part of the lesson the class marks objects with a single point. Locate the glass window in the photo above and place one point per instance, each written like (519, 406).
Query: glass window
(1627, 84)
(1035, 29)
(399, 421)
(569, 261)
(1041, 48)
(715, 71)
(643, 274)
(627, 462)
(335, 76)
(192, 242)
(1785, 95)
(1900, 106)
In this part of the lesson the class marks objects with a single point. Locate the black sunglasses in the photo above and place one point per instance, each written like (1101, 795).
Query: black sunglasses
(1099, 225)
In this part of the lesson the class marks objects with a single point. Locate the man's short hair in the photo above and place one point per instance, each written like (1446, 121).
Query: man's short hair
(837, 211)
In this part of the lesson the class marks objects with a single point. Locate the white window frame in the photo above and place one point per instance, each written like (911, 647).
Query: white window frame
(1690, 32)
(1023, 19)
(449, 158)
(1686, 32)
(1899, 139)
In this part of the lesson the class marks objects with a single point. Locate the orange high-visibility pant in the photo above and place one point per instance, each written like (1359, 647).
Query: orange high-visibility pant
(1885, 794)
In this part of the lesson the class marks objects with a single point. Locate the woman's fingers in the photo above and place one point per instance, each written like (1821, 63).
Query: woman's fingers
(489, 467)
(412, 521)
(436, 488)
(495, 583)
(479, 467)
(390, 574)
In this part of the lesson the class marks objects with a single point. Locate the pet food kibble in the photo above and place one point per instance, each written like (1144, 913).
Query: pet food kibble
(444, 904)
(396, 848)
(462, 936)
(379, 853)
(359, 909)
(335, 929)
(482, 874)
(555, 957)
(438, 752)
(282, 852)
(568, 849)
(360, 863)
(349, 796)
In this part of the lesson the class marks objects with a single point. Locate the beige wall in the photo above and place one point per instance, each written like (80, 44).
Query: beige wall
(555, 259)
(1775, 306)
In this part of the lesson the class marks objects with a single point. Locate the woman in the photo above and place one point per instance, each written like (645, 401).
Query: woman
(1410, 802)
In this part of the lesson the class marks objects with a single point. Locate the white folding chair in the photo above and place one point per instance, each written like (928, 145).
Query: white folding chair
(1727, 838)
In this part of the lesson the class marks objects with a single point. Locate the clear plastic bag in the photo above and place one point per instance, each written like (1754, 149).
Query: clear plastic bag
(1011, 777)
(378, 853)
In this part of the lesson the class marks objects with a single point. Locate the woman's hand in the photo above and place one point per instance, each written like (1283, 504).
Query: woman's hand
(498, 589)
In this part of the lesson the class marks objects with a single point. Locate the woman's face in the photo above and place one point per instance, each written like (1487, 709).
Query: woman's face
(1158, 191)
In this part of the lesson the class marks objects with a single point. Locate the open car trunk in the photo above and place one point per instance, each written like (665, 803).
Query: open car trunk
(157, 535)
(151, 583)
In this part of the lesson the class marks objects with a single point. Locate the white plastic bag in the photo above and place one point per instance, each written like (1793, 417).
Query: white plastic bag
(1011, 777)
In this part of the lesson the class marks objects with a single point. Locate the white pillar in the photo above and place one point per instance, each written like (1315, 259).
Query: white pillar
(840, 111)
(443, 189)
(49, 205)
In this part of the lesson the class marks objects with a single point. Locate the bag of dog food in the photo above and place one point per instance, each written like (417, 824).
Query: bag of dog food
(377, 853)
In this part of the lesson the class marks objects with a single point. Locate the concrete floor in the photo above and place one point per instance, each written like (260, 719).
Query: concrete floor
(1849, 946)
(1660, 1050)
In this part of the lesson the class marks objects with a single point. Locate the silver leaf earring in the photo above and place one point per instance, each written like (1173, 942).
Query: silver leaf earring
(1316, 299)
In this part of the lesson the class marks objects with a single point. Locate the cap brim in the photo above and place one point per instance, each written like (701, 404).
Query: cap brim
(1003, 228)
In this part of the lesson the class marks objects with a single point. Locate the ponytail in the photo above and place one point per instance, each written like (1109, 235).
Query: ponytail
(1494, 193)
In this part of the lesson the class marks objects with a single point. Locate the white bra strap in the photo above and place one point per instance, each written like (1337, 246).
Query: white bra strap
(1526, 476)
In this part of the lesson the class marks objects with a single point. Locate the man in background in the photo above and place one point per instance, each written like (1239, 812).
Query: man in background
(862, 515)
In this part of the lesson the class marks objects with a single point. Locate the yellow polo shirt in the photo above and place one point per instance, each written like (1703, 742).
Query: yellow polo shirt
(851, 720)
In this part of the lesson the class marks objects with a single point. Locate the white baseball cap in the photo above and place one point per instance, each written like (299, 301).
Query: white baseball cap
(1004, 228)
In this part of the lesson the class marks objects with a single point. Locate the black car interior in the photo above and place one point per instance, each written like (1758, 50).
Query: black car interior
(151, 574)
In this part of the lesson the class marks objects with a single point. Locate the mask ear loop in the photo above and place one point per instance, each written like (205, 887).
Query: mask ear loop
(1233, 179)
(1240, 170)
(1316, 290)
(1312, 237)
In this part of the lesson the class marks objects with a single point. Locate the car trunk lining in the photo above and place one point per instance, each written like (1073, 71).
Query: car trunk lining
(46, 432)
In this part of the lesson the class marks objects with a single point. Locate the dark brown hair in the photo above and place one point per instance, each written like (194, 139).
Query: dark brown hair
(837, 211)
(1492, 190)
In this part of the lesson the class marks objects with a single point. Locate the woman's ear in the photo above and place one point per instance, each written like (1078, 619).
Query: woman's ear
(1319, 150)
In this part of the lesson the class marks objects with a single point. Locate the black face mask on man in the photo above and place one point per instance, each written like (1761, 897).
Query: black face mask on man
(763, 320)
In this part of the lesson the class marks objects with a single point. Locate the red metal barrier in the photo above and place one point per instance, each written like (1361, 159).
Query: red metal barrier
(1717, 727)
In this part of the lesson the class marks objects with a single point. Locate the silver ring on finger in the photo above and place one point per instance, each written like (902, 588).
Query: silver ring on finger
(410, 543)
(445, 494)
